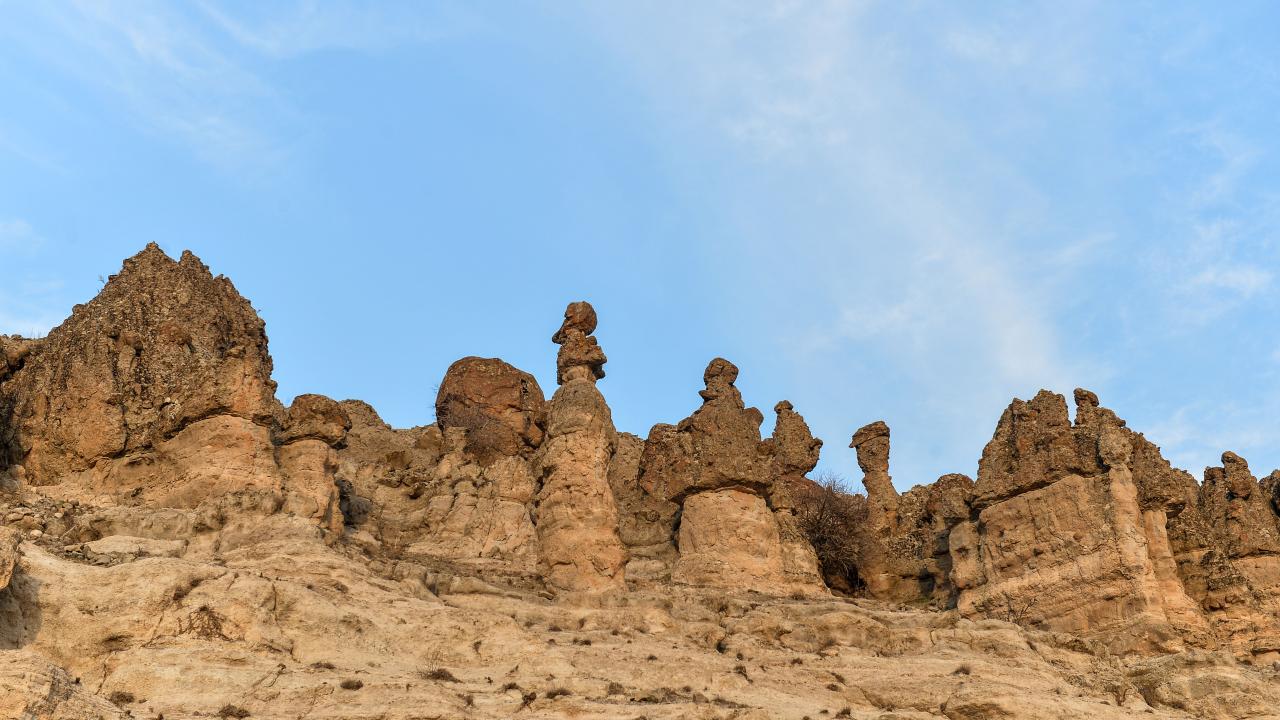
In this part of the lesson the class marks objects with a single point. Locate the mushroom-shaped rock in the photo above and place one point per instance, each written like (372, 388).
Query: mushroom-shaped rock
(872, 444)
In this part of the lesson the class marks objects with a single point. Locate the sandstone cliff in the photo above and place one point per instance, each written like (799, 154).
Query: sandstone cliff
(174, 542)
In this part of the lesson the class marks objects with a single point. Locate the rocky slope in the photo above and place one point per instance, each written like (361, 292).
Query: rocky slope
(176, 543)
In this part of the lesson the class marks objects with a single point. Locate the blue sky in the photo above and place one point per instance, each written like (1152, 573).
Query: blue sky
(902, 211)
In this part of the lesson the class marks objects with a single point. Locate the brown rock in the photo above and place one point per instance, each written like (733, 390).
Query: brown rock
(500, 406)
(720, 443)
(314, 417)
(580, 355)
(164, 345)
(795, 449)
(1033, 446)
(729, 538)
(716, 449)
(579, 550)
(9, 539)
(872, 444)
(1061, 508)
(646, 522)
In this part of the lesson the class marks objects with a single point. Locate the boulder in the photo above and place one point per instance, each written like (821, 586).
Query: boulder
(500, 406)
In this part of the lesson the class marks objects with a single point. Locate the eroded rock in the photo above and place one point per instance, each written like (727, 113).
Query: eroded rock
(163, 346)
(500, 406)
(579, 550)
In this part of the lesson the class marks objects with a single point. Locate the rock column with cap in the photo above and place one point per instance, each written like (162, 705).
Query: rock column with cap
(579, 550)
(872, 444)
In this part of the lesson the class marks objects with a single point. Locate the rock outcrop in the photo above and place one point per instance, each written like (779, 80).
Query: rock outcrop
(175, 542)
(1062, 506)
(579, 550)
(736, 523)
(164, 347)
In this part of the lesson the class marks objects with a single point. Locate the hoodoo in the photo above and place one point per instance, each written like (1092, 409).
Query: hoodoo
(577, 518)
(176, 542)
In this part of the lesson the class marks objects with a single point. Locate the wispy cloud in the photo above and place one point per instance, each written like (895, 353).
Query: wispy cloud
(906, 239)
(18, 235)
(292, 29)
(196, 74)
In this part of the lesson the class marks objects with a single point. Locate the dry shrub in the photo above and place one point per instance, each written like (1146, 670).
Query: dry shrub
(829, 518)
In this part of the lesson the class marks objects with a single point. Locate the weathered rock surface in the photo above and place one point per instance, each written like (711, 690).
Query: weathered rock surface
(500, 406)
(579, 550)
(175, 543)
(734, 490)
(164, 346)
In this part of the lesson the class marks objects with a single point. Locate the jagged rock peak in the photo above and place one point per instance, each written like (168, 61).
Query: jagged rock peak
(1085, 398)
(795, 450)
(578, 349)
(165, 343)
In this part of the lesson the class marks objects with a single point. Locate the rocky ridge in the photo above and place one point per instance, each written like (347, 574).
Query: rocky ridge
(174, 542)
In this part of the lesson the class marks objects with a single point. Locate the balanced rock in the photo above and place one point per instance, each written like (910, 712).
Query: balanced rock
(872, 445)
(715, 466)
(579, 550)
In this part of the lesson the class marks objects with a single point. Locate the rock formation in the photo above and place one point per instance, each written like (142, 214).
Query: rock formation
(163, 348)
(736, 524)
(174, 542)
(903, 550)
(501, 407)
(577, 517)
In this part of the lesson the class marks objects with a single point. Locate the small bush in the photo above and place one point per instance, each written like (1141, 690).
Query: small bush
(440, 674)
(121, 697)
(554, 693)
(965, 669)
(323, 665)
(616, 689)
(351, 684)
(829, 517)
(233, 711)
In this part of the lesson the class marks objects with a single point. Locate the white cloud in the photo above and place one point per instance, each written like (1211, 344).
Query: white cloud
(292, 29)
(1242, 280)
(18, 235)
(908, 238)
